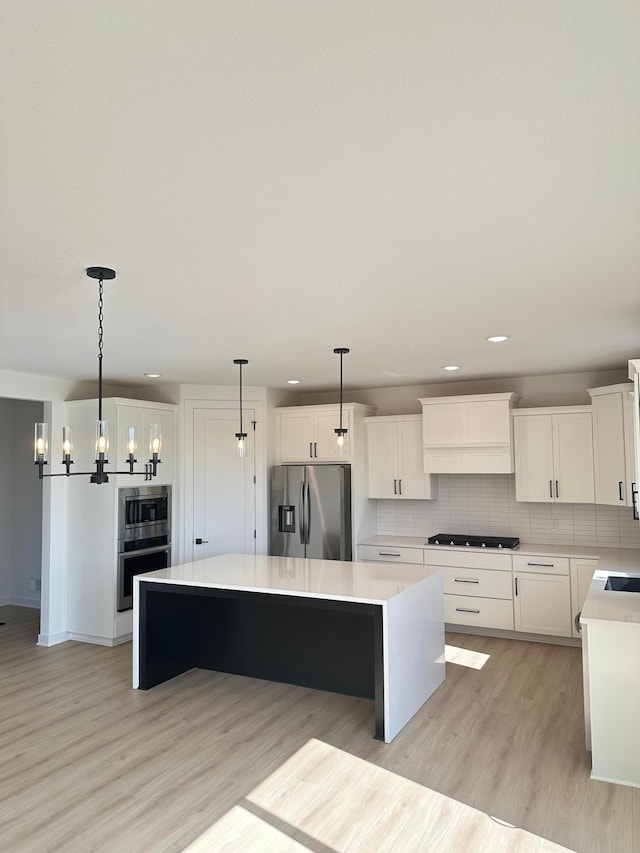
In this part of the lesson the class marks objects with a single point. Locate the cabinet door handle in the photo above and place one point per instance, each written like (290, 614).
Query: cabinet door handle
(550, 488)
(395, 490)
(200, 541)
(557, 492)
(466, 580)
(315, 449)
(466, 610)
(516, 580)
(620, 485)
(400, 487)
(545, 565)
(388, 554)
(310, 450)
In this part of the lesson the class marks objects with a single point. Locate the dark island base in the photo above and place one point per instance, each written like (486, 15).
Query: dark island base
(327, 645)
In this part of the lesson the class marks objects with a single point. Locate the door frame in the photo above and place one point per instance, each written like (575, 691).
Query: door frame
(185, 499)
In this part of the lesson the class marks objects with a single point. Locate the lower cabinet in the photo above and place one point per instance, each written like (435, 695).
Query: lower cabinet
(381, 554)
(542, 595)
(528, 593)
(477, 587)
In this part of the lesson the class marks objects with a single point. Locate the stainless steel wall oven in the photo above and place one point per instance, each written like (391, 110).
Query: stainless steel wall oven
(144, 536)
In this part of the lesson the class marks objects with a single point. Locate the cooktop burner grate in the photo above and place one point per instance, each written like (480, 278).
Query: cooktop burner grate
(474, 541)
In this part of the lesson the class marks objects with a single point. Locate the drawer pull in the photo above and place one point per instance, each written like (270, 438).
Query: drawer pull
(388, 554)
(542, 565)
(466, 580)
(466, 610)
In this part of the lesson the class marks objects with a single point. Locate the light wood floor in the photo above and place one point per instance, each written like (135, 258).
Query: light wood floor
(88, 764)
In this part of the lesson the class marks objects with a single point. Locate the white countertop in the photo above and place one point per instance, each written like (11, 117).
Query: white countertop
(368, 583)
(609, 559)
(607, 605)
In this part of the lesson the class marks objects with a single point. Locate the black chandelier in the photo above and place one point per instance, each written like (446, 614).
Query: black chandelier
(241, 437)
(99, 476)
(341, 432)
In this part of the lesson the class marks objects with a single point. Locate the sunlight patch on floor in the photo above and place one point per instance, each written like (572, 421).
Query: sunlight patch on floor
(465, 657)
(240, 830)
(345, 804)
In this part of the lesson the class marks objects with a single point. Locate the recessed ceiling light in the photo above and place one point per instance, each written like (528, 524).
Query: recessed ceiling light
(451, 367)
(497, 339)
(293, 381)
(153, 375)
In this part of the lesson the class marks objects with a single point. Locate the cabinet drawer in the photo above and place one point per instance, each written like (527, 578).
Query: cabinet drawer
(481, 612)
(478, 582)
(466, 559)
(541, 565)
(389, 554)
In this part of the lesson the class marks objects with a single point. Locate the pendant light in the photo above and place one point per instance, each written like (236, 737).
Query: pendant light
(241, 436)
(100, 475)
(341, 432)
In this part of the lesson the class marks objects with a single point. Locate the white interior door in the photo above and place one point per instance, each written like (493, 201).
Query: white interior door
(224, 488)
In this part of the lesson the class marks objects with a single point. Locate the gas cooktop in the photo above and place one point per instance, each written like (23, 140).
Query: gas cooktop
(474, 541)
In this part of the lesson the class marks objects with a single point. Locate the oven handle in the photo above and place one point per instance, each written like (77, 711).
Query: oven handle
(142, 551)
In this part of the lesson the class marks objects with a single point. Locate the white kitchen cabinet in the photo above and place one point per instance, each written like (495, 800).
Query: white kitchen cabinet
(92, 511)
(307, 433)
(613, 450)
(477, 587)
(554, 455)
(390, 554)
(634, 375)
(542, 595)
(470, 434)
(581, 573)
(132, 414)
(394, 458)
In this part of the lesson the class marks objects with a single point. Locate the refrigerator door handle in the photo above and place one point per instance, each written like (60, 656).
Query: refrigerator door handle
(301, 511)
(308, 520)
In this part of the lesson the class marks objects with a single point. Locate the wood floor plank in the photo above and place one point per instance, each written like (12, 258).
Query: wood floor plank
(88, 764)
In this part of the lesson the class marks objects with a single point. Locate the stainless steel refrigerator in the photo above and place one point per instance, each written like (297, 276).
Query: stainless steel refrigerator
(311, 511)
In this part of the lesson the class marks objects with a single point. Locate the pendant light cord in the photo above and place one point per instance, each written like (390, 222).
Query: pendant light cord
(100, 333)
(241, 399)
(340, 390)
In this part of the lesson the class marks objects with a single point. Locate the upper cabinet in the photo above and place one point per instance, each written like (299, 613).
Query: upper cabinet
(634, 375)
(307, 433)
(394, 457)
(468, 435)
(613, 450)
(143, 416)
(122, 413)
(554, 454)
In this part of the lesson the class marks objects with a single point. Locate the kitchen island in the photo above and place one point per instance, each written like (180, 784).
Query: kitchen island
(611, 670)
(373, 631)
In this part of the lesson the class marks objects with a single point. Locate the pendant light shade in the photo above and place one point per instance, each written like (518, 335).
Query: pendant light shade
(341, 432)
(41, 453)
(241, 437)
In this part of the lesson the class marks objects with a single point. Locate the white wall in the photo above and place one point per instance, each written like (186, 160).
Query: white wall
(26, 514)
(562, 389)
(6, 487)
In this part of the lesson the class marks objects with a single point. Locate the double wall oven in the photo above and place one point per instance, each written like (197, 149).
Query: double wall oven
(144, 536)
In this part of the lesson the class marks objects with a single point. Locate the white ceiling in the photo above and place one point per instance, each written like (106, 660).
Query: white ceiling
(275, 179)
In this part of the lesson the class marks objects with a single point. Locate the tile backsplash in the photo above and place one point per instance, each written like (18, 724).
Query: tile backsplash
(486, 503)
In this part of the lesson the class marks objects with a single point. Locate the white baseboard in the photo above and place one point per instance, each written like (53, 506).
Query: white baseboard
(52, 639)
(98, 641)
(25, 602)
